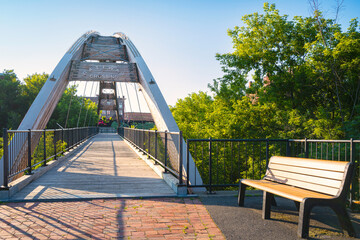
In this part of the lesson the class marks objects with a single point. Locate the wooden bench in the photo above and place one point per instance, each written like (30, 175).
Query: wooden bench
(309, 183)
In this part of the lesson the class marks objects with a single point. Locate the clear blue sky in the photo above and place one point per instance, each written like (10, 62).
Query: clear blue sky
(178, 39)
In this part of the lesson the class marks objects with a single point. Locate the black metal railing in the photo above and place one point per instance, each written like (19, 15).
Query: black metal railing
(223, 162)
(26, 150)
(164, 147)
(107, 130)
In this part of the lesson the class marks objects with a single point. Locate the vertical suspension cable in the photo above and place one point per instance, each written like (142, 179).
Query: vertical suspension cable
(90, 119)
(82, 103)
(92, 86)
(68, 111)
(137, 96)
(117, 95)
(123, 102)
(128, 97)
(122, 94)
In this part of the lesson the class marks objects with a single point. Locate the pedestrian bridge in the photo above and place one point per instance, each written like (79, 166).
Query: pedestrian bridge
(105, 165)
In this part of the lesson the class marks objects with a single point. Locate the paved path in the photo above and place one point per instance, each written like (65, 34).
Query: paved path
(246, 222)
(105, 167)
(163, 218)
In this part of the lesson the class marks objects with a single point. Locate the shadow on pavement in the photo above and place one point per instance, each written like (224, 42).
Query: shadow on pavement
(246, 222)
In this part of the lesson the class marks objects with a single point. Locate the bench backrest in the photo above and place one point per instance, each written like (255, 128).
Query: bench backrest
(322, 176)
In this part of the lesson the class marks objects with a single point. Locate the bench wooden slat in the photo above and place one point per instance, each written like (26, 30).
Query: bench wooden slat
(305, 185)
(272, 173)
(308, 171)
(286, 191)
(311, 163)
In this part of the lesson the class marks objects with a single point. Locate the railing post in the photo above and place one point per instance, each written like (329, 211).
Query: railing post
(288, 149)
(29, 153)
(165, 154)
(62, 139)
(187, 164)
(5, 159)
(149, 144)
(180, 159)
(267, 152)
(143, 140)
(72, 137)
(306, 148)
(210, 165)
(44, 134)
(352, 159)
(69, 138)
(54, 141)
(156, 144)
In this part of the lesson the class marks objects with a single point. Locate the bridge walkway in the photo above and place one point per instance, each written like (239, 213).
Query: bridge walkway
(105, 167)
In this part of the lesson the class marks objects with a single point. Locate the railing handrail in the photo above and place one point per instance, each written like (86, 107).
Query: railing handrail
(269, 139)
(42, 130)
(149, 130)
(235, 140)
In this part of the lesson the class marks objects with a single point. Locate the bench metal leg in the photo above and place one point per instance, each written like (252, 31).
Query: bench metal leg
(267, 199)
(344, 219)
(304, 218)
(241, 195)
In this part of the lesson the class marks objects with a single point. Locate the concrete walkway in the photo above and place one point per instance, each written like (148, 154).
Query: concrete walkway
(105, 167)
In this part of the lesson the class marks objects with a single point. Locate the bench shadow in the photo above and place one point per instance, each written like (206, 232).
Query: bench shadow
(323, 224)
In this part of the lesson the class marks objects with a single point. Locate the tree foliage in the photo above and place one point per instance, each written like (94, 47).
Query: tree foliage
(305, 76)
(11, 100)
(74, 111)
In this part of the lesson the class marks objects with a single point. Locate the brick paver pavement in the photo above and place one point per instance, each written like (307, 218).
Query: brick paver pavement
(165, 218)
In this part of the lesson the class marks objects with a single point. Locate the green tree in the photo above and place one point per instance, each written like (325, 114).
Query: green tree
(190, 114)
(68, 109)
(306, 64)
(11, 100)
(269, 45)
(32, 86)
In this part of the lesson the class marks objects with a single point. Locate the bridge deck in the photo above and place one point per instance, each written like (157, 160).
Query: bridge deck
(105, 167)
